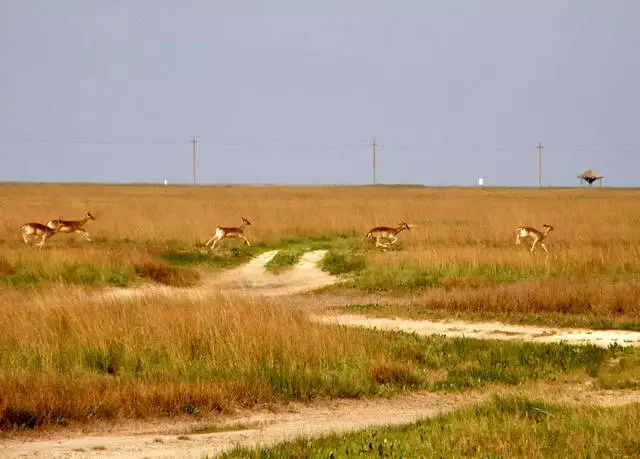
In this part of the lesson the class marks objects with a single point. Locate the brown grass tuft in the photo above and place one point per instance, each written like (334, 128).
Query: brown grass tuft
(5, 267)
(166, 274)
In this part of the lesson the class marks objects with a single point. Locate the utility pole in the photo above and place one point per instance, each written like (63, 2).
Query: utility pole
(194, 143)
(374, 161)
(540, 147)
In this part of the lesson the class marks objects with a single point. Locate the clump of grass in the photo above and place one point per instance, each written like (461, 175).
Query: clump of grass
(343, 261)
(503, 427)
(6, 268)
(167, 274)
(285, 258)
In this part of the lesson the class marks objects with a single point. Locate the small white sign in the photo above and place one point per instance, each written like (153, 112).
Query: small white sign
(480, 181)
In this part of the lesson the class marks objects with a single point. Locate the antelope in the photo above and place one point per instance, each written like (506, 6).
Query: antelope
(532, 233)
(232, 232)
(44, 232)
(72, 226)
(385, 232)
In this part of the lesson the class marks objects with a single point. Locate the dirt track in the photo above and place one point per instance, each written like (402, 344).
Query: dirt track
(175, 439)
(163, 439)
(253, 279)
(489, 330)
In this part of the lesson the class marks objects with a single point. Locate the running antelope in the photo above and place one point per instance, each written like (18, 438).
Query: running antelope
(524, 232)
(233, 232)
(385, 232)
(72, 226)
(44, 232)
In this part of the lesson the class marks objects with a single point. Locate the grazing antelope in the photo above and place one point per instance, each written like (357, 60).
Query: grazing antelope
(233, 232)
(385, 232)
(44, 232)
(72, 226)
(532, 233)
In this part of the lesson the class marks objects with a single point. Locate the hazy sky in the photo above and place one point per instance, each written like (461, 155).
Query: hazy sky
(294, 91)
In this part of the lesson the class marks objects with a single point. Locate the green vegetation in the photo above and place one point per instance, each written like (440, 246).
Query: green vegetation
(412, 277)
(25, 273)
(504, 427)
(338, 261)
(220, 258)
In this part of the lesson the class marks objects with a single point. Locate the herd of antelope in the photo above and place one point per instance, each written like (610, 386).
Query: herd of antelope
(382, 236)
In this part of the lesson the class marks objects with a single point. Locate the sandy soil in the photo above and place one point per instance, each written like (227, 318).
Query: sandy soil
(488, 330)
(257, 428)
(175, 438)
(249, 279)
(254, 279)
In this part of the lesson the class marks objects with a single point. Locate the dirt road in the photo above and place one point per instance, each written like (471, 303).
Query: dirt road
(176, 439)
(488, 330)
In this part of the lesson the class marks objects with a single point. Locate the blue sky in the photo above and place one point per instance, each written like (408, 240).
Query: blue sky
(294, 92)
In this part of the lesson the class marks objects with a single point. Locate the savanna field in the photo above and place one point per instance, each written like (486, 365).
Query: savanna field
(69, 357)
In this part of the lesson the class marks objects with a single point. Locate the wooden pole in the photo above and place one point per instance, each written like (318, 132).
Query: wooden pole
(194, 148)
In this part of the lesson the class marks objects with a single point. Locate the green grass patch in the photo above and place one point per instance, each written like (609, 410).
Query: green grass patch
(222, 257)
(411, 277)
(503, 427)
(344, 254)
(338, 261)
(284, 259)
(27, 273)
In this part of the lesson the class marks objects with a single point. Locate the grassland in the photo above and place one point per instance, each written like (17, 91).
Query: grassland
(504, 427)
(66, 358)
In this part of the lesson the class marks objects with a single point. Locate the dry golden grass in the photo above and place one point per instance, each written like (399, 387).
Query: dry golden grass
(467, 223)
(463, 237)
(66, 359)
(64, 356)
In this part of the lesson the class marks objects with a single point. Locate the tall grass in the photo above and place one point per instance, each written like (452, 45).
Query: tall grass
(64, 359)
(596, 230)
(555, 302)
(461, 244)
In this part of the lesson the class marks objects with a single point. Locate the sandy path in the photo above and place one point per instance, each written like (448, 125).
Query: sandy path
(249, 279)
(265, 428)
(488, 330)
(254, 279)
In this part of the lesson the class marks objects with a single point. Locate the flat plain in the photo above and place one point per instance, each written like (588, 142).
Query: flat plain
(71, 356)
